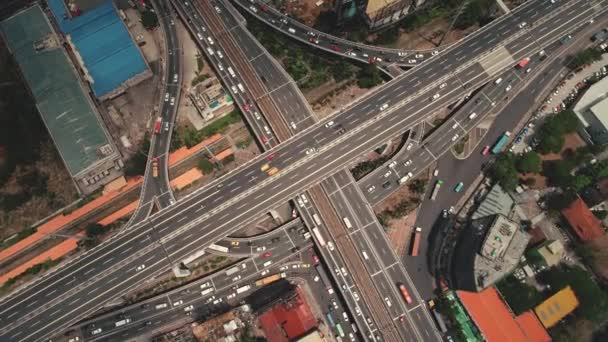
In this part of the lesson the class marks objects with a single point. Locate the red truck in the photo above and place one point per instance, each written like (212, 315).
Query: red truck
(416, 241)
(158, 125)
(523, 62)
(405, 293)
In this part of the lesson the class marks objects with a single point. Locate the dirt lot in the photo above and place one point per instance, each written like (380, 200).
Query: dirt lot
(329, 97)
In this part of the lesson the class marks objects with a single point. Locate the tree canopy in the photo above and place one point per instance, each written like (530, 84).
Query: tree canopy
(528, 163)
(503, 171)
(369, 76)
(149, 19)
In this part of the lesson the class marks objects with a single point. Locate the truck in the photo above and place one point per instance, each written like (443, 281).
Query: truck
(206, 291)
(273, 171)
(231, 72)
(324, 279)
(317, 219)
(232, 270)
(243, 289)
(122, 322)
(436, 189)
(158, 125)
(416, 241)
(347, 222)
(154, 167)
(405, 293)
(523, 62)
(502, 141)
(270, 279)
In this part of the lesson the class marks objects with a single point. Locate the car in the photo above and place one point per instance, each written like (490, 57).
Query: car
(265, 272)
(392, 164)
(96, 331)
(167, 97)
(330, 246)
(402, 318)
(343, 271)
(455, 125)
(386, 184)
(314, 40)
(264, 139)
(387, 174)
(74, 339)
(436, 172)
(334, 303)
(508, 87)
(352, 54)
(311, 150)
(220, 54)
(337, 271)
(217, 301)
(435, 53)
(519, 139)
(217, 9)
(409, 146)
(237, 278)
(401, 54)
(344, 288)
(210, 40)
(435, 97)
(442, 85)
(234, 90)
(408, 162)
(178, 303)
(412, 61)
(522, 24)
(498, 80)
(371, 189)
(345, 316)
(419, 56)
(260, 249)
(189, 308)
(304, 198)
(329, 124)
(384, 106)
(316, 279)
(455, 137)
(356, 295)
(140, 267)
(173, 101)
(472, 116)
(267, 255)
(232, 295)
(335, 47)
(220, 66)
(528, 70)
(485, 150)
(270, 157)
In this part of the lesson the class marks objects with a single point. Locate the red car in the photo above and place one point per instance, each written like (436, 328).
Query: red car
(486, 150)
(264, 139)
(270, 157)
(372, 60)
(315, 259)
(267, 255)
(246, 108)
(335, 47)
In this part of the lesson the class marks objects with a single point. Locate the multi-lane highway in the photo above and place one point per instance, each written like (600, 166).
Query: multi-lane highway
(77, 289)
(321, 40)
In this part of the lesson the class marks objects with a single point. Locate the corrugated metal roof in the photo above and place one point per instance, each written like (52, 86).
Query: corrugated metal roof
(556, 307)
(586, 226)
(107, 50)
(534, 331)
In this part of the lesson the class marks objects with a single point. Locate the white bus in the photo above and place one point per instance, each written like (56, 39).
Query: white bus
(320, 238)
(218, 248)
(317, 219)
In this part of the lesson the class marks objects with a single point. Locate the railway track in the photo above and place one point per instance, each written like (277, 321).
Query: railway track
(244, 69)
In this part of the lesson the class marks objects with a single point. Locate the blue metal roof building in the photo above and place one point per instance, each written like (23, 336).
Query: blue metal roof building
(108, 53)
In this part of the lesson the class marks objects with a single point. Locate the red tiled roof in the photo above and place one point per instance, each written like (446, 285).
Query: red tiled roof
(532, 327)
(586, 226)
(288, 321)
(492, 316)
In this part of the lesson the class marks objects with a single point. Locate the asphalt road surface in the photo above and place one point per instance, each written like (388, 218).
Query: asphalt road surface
(75, 290)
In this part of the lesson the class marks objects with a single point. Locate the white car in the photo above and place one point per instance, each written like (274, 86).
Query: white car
(442, 85)
(257, 115)
(407, 162)
(387, 174)
(412, 61)
(217, 9)
(329, 124)
(419, 56)
(230, 296)
(293, 125)
(220, 54)
(173, 101)
(455, 137)
(392, 164)
(265, 272)
(217, 301)
(260, 249)
(384, 106)
(508, 88)
(436, 172)
(409, 146)
(166, 97)
(522, 24)
(345, 316)
(304, 198)
(371, 188)
(330, 245)
(401, 54)
(315, 279)
(435, 53)
(140, 267)
(356, 296)
(174, 78)
(210, 40)
(435, 97)
(96, 331)
(220, 66)
(178, 303)
(234, 90)
(189, 308)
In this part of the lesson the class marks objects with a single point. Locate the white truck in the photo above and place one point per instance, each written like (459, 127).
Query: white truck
(232, 270)
(231, 72)
(243, 289)
(122, 322)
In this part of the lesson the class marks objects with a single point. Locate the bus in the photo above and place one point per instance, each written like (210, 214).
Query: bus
(330, 320)
(324, 279)
(347, 222)
(218, 248)
(340, 331)
(320, 238)
(436, 189)
(502, 141)
(459, 187)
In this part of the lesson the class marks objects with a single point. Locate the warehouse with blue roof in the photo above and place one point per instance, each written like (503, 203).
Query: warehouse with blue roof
(106, 52)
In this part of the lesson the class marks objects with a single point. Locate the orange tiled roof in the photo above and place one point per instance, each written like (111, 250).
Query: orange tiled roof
(586, 226)
(532, 328)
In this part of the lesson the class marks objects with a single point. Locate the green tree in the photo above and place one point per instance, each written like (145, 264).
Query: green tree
(149, 19)
(205, 165)
(520, 297)
(369, 76)
(418, 186)
(93, 230)
(341, 71)
(528, 162)
(579, 182)
(585, 57)
(593, 299)
(503, 171)
(600, 214)
(550, 143)
(388, 36)
(557, 172)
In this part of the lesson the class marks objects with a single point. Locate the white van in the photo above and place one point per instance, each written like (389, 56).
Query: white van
(472, 116)
(291, 30)
(231, 72)
(241, 88)
(347, 222)
(161, 306)
(498, 80)
(268, 263)
(365, 255)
